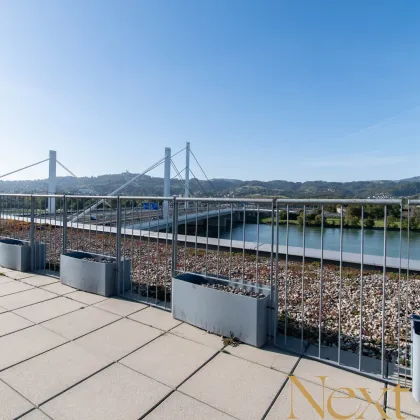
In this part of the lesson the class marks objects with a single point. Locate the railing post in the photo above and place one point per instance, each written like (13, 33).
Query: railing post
(32, 232)
(118, 246)
(273, 290)
(64, 224)
(174, 235)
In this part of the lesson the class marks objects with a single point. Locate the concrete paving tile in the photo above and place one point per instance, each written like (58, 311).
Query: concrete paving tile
(116, 393)
(10, 323)
(169, 359)
(179, 406)
(13, 287)
(49, 309)
(336, 378)
(4, 279)
(268, 356)
(407, 403)
(22, 345)
(120, 307)
(298, 406)
(87, 298)
(199, 336)
(118, 339)
(19, 275)
(235, 386)
(59, 288)
(35, 415)
(5, 270)
(2, 310)
(50, 373)
(28, 297)
(38, 281)
(156, 318)
(81, 322)
(12, 404)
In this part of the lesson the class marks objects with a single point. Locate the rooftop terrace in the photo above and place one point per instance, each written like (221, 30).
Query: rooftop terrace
(67, 354)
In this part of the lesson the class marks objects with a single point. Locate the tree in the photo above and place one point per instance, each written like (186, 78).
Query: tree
(283, 215)
(354, 210)
(369, 223)
(351, 221)
(374, 211)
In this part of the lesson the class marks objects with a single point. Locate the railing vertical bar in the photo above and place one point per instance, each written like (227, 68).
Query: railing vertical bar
(132, 246)
(243, 244)
(276, 286)
(218, 240)
(286, 274)
(103, 226)
(140, 250)
(340, 290)
(362, 252)
(383, 358)
(185, 236)
(407, 294)
(167, 277)
(399, 297)
(196, 236)
(230, 241)
(207, 237)
(272, 297)
(148, 255)
(32, 232)
(157, 256)
(321, 283)
(303, 282)
(174, 237)
(118, 248)
(258, 243)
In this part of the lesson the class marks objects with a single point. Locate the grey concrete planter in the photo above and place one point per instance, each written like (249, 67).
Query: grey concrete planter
(93, 276)
(218, 311)
(19, 255)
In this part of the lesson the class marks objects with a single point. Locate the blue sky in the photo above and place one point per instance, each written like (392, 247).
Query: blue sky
(295, 90)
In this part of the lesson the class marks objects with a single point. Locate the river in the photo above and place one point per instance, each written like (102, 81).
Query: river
(373, 243)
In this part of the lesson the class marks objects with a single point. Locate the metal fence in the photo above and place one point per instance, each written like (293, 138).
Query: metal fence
(342, 273)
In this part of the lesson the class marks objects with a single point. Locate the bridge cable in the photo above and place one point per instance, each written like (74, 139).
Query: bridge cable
(26, 167)
(180, 177)
(202, 170)
(199, 183)
(77, 178)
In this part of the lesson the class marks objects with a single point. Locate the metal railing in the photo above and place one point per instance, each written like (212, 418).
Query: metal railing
(342, 284)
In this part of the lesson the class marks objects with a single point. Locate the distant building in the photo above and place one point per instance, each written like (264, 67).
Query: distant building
(339, 208)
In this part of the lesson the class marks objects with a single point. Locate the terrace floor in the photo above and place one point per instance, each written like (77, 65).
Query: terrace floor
(67, 354)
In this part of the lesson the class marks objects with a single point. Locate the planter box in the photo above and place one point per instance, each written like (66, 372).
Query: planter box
(18, 255)
(218, 311)
(93, 276)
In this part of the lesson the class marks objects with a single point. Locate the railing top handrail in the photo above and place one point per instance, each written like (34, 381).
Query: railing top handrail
(15, 195)
(415, 202)
(243, 200)
(225, 200)
(339, 201)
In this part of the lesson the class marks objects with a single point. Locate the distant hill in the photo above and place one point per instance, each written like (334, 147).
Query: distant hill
(153, 186)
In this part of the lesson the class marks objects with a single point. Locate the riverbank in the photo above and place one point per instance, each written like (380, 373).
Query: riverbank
(331, 222)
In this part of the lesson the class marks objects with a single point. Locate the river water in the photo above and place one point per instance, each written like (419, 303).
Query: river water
(373, 243)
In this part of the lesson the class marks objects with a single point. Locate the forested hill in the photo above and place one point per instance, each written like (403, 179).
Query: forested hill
(147, 185)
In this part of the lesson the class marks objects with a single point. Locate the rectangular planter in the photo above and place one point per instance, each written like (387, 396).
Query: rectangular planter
(93, 276)
(218, 311)
(17, 254)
